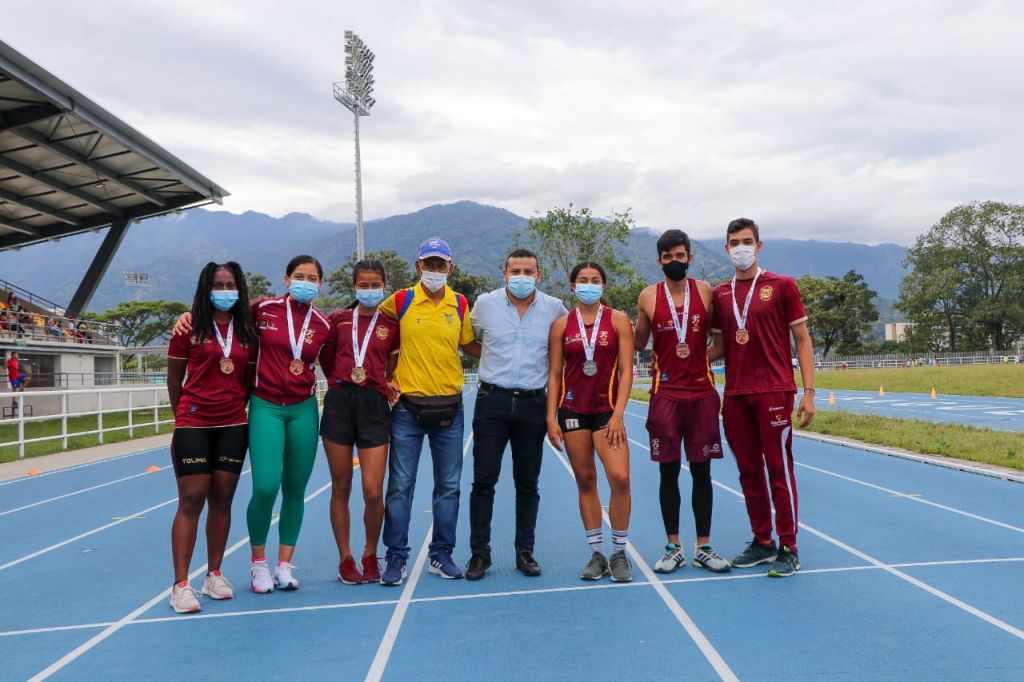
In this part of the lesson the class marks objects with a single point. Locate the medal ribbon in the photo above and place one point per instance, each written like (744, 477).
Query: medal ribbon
(360, 353)
(741, 320)
(589, 346)
(297, 343)
(680, 327)
(225, 345)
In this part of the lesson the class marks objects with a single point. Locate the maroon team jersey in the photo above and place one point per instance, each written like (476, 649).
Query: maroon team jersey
(580, 393)
(274, 381)
(338, 360)
(763, 364)
(210, 397)
(688, 378)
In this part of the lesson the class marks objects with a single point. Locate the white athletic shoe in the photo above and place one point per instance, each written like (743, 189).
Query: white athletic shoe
(184, 600)
(216, 586)
(283, 578)
(705, 556)
(672, 559)
(262, 583)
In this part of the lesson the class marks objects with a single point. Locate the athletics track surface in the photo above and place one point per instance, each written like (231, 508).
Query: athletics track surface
(1004, 414)
(910, 571)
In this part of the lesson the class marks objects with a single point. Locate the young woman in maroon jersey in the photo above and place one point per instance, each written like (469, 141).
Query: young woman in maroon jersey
(359, 359)
(590, 376)
(210, 425)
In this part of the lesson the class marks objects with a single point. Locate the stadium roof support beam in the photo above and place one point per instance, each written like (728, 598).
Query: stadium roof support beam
(27, 115)
(59, 186)
(98, 268)
(39, 208)
(21, 227)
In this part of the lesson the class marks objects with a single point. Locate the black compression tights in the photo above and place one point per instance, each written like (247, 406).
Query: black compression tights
(701, 499)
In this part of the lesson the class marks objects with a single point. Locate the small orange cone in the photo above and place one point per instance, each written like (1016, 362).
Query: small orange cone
(33, 472)
(934, 394)
(355, 461)
(151, 468)
(881, 391)
(831, 398)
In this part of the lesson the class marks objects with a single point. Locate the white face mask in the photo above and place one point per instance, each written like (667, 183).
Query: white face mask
(743, 256)
(434, 281)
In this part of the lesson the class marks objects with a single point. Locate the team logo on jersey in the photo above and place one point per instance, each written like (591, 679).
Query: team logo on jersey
(655, 447)
(664, 376)
(568, 395)
(602, 338)
(382, 333)
(449, 318)
(780, 421)
(712, 450)
(695, 321)
(309, 336)
(766, 293)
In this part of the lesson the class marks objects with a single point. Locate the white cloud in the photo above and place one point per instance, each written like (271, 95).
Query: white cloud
(842, 120)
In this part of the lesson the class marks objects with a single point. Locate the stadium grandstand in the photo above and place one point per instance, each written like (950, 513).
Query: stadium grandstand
(68, 166)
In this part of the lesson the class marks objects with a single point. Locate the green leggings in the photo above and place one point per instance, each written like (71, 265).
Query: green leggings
(282, 448)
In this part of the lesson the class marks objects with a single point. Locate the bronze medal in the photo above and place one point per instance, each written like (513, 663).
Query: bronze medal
(358, 375)
(295, 367)
(227, 365)
(683, 350)
(742, 336)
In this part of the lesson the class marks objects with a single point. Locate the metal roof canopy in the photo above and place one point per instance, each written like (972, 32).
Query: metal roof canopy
(68, 166)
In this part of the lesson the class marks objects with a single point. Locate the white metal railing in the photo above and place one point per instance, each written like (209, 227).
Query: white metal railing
(59, 405)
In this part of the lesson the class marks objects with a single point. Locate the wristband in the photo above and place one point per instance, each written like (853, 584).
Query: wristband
(808, 390)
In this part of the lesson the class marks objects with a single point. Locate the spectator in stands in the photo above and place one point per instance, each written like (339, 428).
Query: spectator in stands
(83, 331)
(53, 329)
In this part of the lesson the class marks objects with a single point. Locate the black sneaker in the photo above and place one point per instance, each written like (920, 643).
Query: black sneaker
(756, 554)
(527, 565)
(786, 563)
(478, 565)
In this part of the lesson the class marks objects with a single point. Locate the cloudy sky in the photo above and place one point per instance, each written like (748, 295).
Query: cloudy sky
(833, 120)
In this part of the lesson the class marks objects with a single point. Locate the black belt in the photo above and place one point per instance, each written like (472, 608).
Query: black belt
(516, 392)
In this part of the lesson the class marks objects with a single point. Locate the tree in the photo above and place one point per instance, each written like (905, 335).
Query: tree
(469, 285)
(969, 276)
(339, 282)
(258, 285)
(840, 311)
(143, 322)
(567, 236)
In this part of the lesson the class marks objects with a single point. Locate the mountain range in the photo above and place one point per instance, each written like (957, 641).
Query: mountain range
(173, 249)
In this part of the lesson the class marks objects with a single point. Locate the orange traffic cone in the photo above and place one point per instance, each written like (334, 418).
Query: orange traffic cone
(934, 394)
(33, 472)
(151, 468)
(881, 391)
(831, 398)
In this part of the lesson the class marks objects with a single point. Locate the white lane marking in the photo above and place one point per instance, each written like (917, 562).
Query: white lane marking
(915, 497)
(80, 466)
(695, 633)
(387, 642)
(79, 492)
(493, 595)
(948, 598)
(125, 620)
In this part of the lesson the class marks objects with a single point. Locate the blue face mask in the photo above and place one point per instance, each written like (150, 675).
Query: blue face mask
(589, 293)
(302, 291)
(370, 298)
(223, 300)
(521, 286)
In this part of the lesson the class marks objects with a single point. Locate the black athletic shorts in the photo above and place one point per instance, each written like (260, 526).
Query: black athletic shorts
(574, 421)
(356, 415)
(202, 450)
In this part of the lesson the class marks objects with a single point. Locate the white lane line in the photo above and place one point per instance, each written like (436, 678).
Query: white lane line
(493, 595)
(79, 466)
(79, 492)
(387, 642)
(123, 519)
(889, 568)
(897, 493)
(72, 655)
(695, 633)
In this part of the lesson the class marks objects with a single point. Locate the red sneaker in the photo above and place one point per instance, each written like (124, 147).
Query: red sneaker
(348, 573)
(371, 570)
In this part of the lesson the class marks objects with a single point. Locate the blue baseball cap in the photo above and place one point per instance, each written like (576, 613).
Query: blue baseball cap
(435, 247)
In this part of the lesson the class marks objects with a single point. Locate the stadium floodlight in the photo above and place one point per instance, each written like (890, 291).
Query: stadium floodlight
(354, 93)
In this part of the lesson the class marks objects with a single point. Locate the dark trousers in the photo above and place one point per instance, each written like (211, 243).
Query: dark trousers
(501, 418)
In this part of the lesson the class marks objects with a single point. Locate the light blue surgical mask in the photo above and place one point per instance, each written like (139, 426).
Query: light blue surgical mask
(223, 300)
(370, 298)
(589, 293)
(521, 286)
(302, 291)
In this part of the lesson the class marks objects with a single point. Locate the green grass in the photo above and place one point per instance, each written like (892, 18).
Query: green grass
(1005, 380)
(142, 420)
(1002, 448)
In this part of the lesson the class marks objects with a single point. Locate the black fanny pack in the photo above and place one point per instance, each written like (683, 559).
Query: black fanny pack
(433, 412)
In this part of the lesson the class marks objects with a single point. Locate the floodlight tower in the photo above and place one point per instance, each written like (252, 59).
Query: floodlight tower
(355, 95)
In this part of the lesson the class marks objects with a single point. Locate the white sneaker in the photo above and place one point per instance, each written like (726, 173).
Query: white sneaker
(261, 580)
(216, 586)
(673, 558)
(283, 578)
(705, 556)
(184, 600)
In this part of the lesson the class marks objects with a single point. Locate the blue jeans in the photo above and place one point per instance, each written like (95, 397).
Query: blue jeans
(403, 462)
